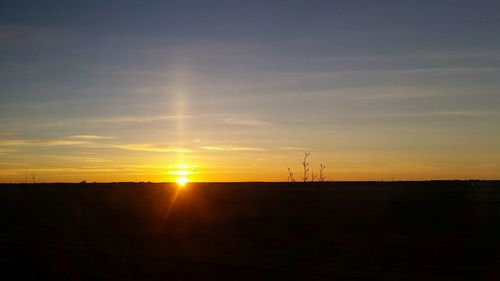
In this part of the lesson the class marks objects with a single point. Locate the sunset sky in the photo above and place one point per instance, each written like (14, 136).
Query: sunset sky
(239, 90)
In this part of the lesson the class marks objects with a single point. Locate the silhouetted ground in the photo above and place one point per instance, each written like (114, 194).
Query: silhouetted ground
(251, 231)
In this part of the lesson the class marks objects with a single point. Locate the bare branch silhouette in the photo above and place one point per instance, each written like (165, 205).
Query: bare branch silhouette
(322, 176)
(305, 166)
(291, 178)
(314, 176)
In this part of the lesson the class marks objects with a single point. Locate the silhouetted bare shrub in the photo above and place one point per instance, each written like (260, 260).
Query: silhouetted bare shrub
(314, 176)
(322, 176)
(305, 166)
(291, 178)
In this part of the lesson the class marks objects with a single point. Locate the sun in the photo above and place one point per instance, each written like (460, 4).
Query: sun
(181, 181)
(181, 173)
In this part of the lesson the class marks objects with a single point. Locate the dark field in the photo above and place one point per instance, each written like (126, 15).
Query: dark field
(253, 231)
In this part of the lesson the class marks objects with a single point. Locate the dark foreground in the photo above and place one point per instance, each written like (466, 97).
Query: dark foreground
(337, 231)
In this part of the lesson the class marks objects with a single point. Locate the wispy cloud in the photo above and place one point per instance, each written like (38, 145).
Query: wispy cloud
(231, 148)
(442, 113)
(76, 159)
(443, 70)
(91, 137)
(114, 120)
(244, 122)
(292, 148)
(4, 152)
(490, 54)
(21, 142)
(392, 93)
(141, 72)
(463, 113)
(6, 134)
(151, 148)
(88, 141)
(137, 119)
(63, 170)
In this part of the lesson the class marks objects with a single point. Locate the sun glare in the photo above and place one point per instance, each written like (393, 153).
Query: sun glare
(181, 181)
(181, 173)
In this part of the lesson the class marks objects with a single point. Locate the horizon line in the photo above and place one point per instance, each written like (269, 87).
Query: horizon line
(236, 182)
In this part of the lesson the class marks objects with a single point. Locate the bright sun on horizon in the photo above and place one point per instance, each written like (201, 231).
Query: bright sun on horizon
(182, 181)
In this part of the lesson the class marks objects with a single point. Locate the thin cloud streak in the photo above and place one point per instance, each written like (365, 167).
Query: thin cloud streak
(88, 141)
(118, 120)
(151, 148)
(6, 134)
(91, 137)
(231, 148)
(244, 122)
(20, 142)
(437, 55)
(293, 148)
(434, 114)
(138, 119)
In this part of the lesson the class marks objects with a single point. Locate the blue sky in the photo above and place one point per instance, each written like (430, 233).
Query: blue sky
(125, 90)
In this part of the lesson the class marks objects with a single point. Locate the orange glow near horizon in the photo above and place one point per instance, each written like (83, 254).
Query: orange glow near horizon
(236, 167)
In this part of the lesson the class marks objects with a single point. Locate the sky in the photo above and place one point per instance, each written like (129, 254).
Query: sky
(240, 90)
